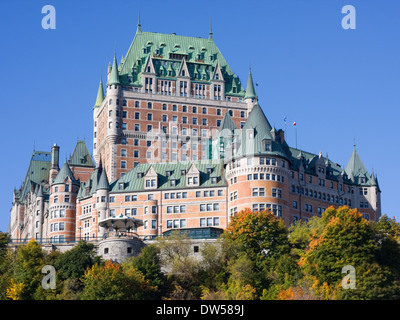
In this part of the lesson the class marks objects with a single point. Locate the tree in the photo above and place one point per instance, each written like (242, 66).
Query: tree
(29, 261)
(349, 239)
(260, 234)
(181, 267)
(6, 265)
(261, 239)
(73, 263)
(149, 264)
(113, 282)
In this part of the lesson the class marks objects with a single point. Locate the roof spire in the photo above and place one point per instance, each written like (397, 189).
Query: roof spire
(100, 94)
(210, 34)
(250, 92)
(139, 30)
(114, 77)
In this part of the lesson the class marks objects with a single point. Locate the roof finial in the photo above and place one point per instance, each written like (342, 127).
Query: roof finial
(210, 33)
(354, 143)
(138, 30)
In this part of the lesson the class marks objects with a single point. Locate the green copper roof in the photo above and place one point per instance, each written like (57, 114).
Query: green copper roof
(256, 133)
(250, 91)
(167, 51)
(38, 173)
(355, 166)
(65, 173)
(103, 181)
(227, 123)
(81, 156)
(114, 77)
(100, 95)
(132, 182)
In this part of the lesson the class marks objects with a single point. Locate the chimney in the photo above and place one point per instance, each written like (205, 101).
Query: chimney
(55, 151)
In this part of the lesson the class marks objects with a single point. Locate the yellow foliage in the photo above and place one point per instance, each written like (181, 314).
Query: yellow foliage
(14, 290)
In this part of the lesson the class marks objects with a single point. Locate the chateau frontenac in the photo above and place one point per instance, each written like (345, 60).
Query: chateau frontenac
(179, 143)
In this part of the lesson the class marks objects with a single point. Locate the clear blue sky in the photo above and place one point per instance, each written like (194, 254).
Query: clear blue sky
(338, 85)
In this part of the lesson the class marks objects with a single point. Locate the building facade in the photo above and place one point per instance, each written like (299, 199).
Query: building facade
(180, 144)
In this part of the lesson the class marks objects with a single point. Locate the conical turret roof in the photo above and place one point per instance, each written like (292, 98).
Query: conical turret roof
(114, 76)
(100, 95)
(65, 173)
(103, 183)
(355, 166)
(250, 91)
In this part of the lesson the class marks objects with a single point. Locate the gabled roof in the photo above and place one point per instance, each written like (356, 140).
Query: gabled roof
(65, 173)
(81, 156)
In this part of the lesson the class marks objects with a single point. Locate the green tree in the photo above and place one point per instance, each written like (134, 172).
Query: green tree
(182, 269)
(111, 281)
(29, 261)
(73, 263)
(261, 239)
(149, 264)
(6, 264)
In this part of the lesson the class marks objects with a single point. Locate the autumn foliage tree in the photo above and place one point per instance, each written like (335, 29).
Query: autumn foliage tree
(349, 239)
(113, 282)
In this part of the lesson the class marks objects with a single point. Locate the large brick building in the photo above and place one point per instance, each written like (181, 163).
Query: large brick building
(179, 144)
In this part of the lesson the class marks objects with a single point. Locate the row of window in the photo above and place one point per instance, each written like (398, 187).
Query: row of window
(209, 207)
(266, 176)
(57, 214)
(174, 108)
(58, 226)
(321, 195)
(321, 182)
(57, 199)
(203, 222)
(276, 209)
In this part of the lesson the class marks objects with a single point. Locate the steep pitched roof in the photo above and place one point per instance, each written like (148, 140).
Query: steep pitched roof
(103, 183)
(227, 123)
(100, 95)
(37, 173)
(114, 76)
(81, 156)
(65, 173)
(167, 51)
(257, 129)
(355, 166)
(250, 91)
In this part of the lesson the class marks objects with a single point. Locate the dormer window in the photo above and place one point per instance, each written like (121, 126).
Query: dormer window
(250, 133)
(168, 173)
(209, 170)
(172, 182)
(121, 186)
(151, 183)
